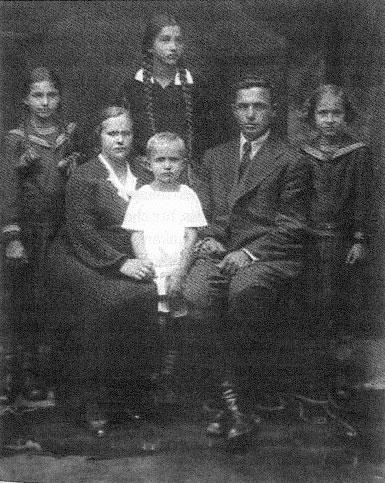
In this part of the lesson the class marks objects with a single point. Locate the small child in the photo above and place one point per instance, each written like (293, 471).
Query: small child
(164, 218)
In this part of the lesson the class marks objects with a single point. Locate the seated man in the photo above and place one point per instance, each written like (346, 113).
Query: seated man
(254, 191)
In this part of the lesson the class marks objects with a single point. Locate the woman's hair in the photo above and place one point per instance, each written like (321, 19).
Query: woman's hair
(154, 27)
(103, 115)
(312, 102)
(165, 137)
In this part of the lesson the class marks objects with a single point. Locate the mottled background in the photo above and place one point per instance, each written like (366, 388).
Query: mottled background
(95, 45)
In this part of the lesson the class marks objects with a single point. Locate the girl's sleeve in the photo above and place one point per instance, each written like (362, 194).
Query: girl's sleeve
(363, 215)
(82, 226)
(11, 195)
(193, 216)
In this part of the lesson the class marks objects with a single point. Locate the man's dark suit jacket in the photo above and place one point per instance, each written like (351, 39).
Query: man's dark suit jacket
(266, 212)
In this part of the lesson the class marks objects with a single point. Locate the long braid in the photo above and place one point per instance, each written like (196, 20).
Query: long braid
(147, 74)
(187, 95)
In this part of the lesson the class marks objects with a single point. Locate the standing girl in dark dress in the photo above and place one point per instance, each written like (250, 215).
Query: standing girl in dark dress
(39, 156)
(163, 95)
(341, 169)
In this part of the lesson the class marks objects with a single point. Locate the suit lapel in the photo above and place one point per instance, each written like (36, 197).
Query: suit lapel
(260, 166)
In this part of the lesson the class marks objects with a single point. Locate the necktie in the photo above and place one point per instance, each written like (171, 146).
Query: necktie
(245, 160)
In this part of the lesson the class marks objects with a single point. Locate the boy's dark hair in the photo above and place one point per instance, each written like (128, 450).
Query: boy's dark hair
(315, 97)
(253, 81)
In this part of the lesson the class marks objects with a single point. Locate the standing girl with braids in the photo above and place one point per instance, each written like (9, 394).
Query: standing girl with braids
(163, 95)
(39, 156)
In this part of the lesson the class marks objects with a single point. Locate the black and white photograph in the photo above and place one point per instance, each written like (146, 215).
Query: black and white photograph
(192, 216)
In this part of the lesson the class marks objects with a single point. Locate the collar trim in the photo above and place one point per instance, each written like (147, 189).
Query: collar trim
(139, 76)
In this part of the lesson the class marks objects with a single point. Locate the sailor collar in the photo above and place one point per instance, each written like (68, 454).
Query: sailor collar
(60, 140)
(322, 156)
(139, 76)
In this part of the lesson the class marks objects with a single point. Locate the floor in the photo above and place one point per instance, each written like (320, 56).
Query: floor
(296, 443)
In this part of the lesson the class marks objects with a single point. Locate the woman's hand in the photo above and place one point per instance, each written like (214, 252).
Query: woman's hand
(15, 251)
(355, 254)
(138, 269)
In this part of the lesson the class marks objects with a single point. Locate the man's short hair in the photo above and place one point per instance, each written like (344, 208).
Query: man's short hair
(165, 138)
(253, 81)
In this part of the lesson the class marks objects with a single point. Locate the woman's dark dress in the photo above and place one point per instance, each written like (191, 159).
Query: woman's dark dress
(111, 317)
(339, 218)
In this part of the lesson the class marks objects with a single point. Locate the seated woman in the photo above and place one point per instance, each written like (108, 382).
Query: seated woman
(101, 295)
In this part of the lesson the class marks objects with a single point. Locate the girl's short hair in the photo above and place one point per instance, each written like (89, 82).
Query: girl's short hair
(165, 137)
(323, 89)
(41, 74)
(103, 115)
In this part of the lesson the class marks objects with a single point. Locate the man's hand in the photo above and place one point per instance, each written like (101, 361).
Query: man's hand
(210, 246)
(138, 269)
(233, 261)
(355, 254)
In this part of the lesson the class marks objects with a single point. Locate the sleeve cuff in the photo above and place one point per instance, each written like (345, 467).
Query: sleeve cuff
(11, 232)
(359, 236)
(250, 255)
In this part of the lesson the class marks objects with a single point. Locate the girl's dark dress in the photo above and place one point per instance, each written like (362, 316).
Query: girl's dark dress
(339, 218)
(169, 111)
(33, 210)
(111, 318)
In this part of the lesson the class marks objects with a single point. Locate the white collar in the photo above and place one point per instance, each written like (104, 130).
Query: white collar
(139, 76)
(125, 189)
(255, 145)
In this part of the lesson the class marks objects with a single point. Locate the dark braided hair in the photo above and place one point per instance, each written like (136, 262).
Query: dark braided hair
(154, 26)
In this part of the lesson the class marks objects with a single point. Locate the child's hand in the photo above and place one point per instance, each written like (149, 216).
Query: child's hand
(138, 269)
(15, 251)
(355, 254)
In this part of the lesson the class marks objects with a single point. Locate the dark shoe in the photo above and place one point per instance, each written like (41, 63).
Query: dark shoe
(34, 395)
(96, 419)
(240, 425)
(218, 426)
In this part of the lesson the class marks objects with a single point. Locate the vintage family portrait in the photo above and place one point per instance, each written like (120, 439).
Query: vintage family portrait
(192, 257)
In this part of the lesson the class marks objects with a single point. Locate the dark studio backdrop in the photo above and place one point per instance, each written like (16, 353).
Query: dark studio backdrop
(94, 45)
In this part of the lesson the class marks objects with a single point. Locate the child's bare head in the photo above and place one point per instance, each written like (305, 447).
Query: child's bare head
(166, 152)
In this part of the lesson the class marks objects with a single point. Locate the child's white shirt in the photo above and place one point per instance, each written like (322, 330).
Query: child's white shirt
(163, 217)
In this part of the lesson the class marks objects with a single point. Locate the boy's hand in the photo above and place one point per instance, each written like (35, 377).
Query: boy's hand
(233, 261)
(355, 254)
(209, 246)
(15, 251)
(138, 269)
